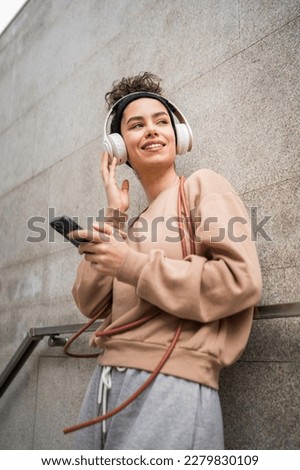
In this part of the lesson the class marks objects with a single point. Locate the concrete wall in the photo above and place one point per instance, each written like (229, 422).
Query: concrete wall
(232, 66)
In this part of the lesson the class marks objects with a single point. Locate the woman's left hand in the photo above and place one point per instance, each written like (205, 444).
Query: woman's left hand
(116, 198)
(106, 253)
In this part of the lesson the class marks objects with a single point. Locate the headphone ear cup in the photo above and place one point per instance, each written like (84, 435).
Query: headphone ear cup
(115, 146)
(183, 139)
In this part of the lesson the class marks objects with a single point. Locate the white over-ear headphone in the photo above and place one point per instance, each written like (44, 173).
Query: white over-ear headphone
(115, 145)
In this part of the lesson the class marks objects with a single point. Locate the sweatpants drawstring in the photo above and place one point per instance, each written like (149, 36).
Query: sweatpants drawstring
(104, 387)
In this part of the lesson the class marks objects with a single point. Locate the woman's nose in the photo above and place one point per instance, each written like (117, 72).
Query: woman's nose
(151, 131)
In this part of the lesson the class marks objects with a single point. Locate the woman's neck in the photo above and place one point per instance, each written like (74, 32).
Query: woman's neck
(154, 183)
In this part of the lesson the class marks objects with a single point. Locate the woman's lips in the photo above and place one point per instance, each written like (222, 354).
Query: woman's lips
(153, 145)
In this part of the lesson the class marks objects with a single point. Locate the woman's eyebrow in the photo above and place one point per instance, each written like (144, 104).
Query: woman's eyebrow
(135, 118)
(140, 118)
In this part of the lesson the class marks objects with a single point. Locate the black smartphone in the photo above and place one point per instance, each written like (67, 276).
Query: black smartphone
(65, 225)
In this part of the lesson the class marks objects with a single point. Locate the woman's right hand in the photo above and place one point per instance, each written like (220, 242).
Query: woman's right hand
(116, 198)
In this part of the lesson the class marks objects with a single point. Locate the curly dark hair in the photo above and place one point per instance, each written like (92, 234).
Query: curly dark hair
(144, 81)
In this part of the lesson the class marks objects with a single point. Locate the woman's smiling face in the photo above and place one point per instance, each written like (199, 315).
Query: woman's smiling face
(148, 133)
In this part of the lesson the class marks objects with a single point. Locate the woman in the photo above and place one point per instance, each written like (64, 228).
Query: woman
(160, 280)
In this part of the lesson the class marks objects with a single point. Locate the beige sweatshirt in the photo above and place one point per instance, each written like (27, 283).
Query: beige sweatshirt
(213, 291)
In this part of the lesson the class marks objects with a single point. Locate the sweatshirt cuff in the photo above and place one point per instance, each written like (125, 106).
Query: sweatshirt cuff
(116, 218)
(131, 267)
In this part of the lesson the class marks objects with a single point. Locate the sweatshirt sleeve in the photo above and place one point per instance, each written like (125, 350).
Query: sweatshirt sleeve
(221, 279)
(92, 291)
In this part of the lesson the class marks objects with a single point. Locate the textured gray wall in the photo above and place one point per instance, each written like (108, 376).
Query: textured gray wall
(232, 67)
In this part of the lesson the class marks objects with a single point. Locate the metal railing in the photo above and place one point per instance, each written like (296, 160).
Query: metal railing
(30, 342)
(35, 335)
(266, 312)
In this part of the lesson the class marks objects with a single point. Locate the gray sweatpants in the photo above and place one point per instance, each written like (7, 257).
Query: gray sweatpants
(171, 414)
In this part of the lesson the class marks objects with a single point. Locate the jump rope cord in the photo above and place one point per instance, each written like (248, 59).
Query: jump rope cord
(182, 209)
(138, 392)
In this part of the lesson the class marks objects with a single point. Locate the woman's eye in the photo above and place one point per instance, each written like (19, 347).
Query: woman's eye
(138, 124)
